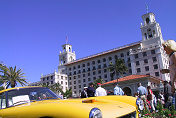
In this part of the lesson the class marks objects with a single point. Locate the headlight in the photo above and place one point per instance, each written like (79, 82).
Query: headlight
(95, 113)
(140, 104)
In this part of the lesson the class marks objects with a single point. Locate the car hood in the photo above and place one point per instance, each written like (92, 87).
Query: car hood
(110, 106)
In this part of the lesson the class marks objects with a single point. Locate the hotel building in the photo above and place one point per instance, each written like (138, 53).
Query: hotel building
(145, 57)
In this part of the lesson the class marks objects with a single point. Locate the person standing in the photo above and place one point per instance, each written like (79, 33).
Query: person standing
(91, 90)
(167, 94)
(170, 48)
(118, 90)
(100, 91)
(142, 92)
(84, 93)
(150, 98)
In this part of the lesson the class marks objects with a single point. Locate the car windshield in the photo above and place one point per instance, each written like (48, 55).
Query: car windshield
(26, 95)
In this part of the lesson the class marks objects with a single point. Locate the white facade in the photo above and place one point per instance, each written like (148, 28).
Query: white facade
(146, 57)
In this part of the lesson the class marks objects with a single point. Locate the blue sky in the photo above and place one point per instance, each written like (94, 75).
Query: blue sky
(32, 31)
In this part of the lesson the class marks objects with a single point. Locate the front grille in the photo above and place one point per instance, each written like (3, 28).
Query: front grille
(131, 115)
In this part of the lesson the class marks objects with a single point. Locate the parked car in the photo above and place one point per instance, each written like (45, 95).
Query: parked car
(40, 102)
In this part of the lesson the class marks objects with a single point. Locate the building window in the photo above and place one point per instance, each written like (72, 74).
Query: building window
(83, 65)
(128, 53)
(104, 60)
(94, 78)
(51, 82)
(69, 78)
(105, 75)
(79, 71)
(155, 66)
(105, 70)
(83, 75)
(79, 81)
(136, 56)
(74, 72)
(156, 73)
(110, 58)
(94, 68)
(79, 76)
(144, 54)
(116, 57)
(128, 60)
(130, 71)
(79, 86)
(69, 69)
(74, 77)
(88, 69)
(75, 88)
(61, 82)
(145, 61)
(78, 66)
(138, 70)
(61, 77)
(51, 77)
(88, 74)
(84, 85)
(121, 55)
(89, 79)
(147, 68)
(93, 62)
(99, 66)
(43, 79)
(94, 73)
(74, 67)
(98, 61)
(129, 65)
(88, 64)
(84, 80)
(74, 82)
(99, 72)
(84, 70)
(137, 63)
(65, 83)
(70, 83)
(154, 59)
(104, 65)
(47, 78)
(152, 51)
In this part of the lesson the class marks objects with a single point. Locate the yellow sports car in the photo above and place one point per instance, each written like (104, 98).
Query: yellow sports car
(40, 102)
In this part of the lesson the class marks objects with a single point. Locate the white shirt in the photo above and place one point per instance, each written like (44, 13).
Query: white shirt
(100, 92)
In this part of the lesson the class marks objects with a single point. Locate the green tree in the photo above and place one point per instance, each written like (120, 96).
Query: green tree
(11, 76)
(118, 68)
(67, 93)
(98, 81)
(56, 88)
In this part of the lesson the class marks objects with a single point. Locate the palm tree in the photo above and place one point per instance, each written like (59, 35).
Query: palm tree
(11, 76)
(56, 88)
(118, 68)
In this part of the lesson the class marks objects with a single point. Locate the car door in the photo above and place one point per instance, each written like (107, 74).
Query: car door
(2, 103)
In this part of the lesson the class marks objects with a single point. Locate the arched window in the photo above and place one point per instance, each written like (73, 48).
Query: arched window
(147, 20)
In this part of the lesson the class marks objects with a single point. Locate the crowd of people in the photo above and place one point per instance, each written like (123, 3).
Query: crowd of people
(100, 91)
(165, 97)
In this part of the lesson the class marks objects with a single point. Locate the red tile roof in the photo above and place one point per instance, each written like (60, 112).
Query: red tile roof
(130, 77)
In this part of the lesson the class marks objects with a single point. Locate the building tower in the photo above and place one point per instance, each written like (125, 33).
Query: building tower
(66, 56)
(150, 57)
(151, 31)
